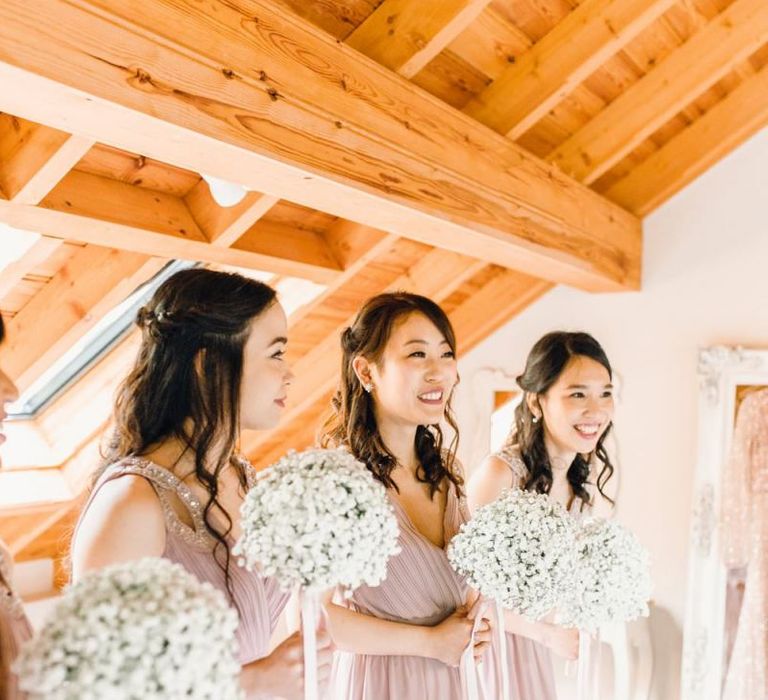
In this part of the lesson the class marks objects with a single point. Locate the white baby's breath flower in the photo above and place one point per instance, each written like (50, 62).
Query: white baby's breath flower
(517, 550)
(613, 580)
(143, 630)
(318, 519)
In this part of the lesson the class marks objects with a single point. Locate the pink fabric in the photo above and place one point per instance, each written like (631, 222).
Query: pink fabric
(258, 599)
(744, 515)
(421, 588)
(15, 624)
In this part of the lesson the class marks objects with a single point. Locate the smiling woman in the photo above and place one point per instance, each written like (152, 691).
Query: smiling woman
(403, 639)
(211, 363)
(555, 447)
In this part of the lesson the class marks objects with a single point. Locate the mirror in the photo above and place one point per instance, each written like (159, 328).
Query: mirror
(726, 575)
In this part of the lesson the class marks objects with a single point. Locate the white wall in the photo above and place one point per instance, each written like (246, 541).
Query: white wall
(705, 282)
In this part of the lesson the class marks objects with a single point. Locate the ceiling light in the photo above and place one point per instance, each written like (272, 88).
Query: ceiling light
(225, 194)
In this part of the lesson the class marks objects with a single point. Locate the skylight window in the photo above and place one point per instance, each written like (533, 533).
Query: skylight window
(96, 343)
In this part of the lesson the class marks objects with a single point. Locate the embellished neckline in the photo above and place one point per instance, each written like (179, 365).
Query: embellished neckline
(510, 455)
(197, 535)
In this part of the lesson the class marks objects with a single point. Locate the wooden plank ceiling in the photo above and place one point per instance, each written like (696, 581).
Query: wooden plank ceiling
(475, 151)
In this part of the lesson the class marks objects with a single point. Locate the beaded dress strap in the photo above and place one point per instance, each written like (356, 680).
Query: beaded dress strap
(165, 482)
(251, 474)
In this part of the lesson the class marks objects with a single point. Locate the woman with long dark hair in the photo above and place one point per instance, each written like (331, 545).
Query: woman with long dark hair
(555, 447)
(210, 365)
(403, 639)
(14, 625)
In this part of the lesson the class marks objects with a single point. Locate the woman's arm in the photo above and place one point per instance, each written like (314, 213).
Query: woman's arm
(487, 482)
(559, 640)
(123, 522)
(490, 478)
(365, 634)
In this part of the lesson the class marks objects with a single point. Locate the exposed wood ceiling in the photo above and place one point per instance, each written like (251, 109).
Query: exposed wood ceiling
(476, 151)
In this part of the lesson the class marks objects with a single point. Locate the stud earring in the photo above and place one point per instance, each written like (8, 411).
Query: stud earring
(535, 419)
(368, 387)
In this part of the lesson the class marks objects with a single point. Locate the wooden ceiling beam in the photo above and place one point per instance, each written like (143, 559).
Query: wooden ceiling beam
(405, 35)
(34, 158)
(678, 162)
(577, 46)
(637, 113)
(269, 101)
(95, 209)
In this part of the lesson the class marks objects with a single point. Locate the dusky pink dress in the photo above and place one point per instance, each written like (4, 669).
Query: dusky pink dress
(259, 599)
(15, 626)
(421, 588)
(744, 521)
(531, 674)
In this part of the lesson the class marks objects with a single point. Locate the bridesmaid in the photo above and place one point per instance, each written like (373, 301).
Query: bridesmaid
(14, 626)
(210, 364)
(555, 447)
(403, 639)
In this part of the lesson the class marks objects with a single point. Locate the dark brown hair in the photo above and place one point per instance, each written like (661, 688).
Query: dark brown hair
(353, 421)
(546, 362)
(186, 380)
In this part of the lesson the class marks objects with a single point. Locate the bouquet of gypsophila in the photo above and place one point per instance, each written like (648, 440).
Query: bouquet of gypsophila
(517, 550)
(318, 519)
(143, 630)
(612, 574)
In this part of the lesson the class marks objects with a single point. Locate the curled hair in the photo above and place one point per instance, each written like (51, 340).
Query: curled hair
(546, 362)
(352, 422)
(186, 380)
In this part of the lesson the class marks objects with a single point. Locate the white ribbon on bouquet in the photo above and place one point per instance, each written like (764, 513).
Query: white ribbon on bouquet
(474, 682)
(310, 613)
(501, 637)
(468, 668)
(587, 680)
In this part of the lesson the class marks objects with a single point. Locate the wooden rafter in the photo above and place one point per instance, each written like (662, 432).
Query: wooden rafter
(637, 113)
(240, 98)
(405, 35)
(96, 209)
(33, 158)
(541, 77)
(729, 123)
